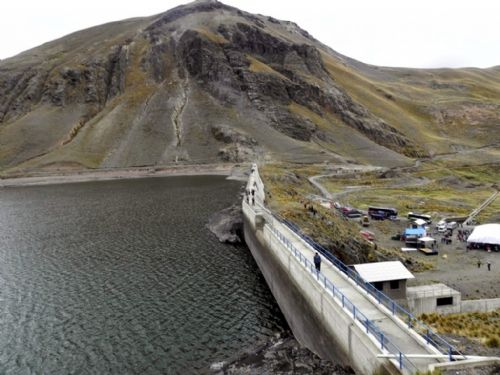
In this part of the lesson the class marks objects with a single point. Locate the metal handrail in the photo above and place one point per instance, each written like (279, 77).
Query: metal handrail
(370, 326)
(423, 329)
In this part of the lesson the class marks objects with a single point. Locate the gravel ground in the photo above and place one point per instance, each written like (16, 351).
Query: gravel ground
(453, 266)
(483, 370)
(469, 346)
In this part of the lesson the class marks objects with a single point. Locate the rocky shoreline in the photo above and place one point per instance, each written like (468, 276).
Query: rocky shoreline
(64, 176)
(281, 355)
(227, 224)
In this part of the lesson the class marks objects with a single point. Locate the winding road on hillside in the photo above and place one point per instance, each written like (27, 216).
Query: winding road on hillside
(314, 180)
(410, 182)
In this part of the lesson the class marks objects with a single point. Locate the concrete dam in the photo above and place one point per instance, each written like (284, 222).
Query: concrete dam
(334, 312)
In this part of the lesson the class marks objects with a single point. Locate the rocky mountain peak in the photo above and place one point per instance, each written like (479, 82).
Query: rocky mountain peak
(206, 82)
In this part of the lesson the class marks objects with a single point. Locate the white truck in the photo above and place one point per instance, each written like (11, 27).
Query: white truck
(442, 226)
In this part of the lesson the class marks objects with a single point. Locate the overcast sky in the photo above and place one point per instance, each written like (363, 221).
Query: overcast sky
(418, 33)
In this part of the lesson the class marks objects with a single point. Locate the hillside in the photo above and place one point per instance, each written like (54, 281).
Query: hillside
(205, 83)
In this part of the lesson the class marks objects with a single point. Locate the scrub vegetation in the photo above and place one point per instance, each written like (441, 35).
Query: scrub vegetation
(288, 193)
(432, 188)
(438, 190)
(481, 326)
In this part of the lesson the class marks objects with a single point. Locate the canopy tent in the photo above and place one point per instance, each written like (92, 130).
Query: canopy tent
(420, 222)
(419, 232)
(486, 233)
(426, 239)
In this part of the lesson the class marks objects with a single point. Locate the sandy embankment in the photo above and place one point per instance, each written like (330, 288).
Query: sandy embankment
(70, 176)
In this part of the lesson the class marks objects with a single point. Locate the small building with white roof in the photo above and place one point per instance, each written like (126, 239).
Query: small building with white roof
(388, 277)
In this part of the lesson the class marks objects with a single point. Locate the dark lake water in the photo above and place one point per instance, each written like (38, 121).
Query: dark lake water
(122, 277)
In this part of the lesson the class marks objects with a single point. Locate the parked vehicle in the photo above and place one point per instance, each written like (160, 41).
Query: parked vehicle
(365, 221)
(366, 234)
(353, 214)
(382, 213)
(441, 227)
(411, 241)
(452, 225)
(444, 226)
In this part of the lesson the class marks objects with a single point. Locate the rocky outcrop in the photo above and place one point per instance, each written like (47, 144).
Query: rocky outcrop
(224, 68)
(227, 224)
(237, 147)
(113, 92)
(282, 355)
(93, 82)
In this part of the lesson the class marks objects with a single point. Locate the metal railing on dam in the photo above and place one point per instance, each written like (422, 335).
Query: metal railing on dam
(413, 323)
(368, 326)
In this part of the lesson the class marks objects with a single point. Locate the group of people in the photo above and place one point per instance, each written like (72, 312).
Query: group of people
(488, 264)
(446, 240)
(250, 194)
(463, 234)
(481, 246)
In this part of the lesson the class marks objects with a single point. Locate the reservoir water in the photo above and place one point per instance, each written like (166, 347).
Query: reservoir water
(122, 277)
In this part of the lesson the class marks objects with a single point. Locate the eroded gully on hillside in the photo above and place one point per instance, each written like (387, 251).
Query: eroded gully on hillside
(177, 116)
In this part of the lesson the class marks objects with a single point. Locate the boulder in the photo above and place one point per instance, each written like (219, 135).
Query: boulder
(227, 224)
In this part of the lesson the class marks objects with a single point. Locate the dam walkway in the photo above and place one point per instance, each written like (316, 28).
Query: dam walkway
(407, 343)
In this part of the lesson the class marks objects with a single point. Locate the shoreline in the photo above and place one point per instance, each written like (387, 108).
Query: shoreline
(232, 171)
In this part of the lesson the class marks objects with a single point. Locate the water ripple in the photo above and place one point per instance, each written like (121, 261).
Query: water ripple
(122, 277)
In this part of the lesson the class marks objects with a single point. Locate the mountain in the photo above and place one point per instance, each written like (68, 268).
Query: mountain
(206, 82)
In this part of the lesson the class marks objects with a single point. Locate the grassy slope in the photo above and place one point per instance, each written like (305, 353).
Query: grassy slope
(484, 327)
(47, 147)
(438, 108)
(438, 190)
(287, 189)
(435, 107)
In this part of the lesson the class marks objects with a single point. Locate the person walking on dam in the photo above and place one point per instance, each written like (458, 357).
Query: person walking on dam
(317, 261)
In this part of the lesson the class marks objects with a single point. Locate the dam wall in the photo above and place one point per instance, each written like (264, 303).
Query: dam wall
(317, 320)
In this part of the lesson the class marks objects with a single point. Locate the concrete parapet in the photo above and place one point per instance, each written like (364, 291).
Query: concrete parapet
(475, 363)
(480, 305)
(317, 321)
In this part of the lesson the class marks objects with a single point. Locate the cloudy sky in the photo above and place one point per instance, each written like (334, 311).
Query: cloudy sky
(423, 33)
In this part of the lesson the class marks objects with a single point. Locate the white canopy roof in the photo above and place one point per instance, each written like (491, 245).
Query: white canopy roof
(383, 271)
(486, 233)
(420, 222)
(426, 239)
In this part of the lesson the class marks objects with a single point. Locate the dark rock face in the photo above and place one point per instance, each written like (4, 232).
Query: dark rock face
(95, 82)
(228, 135)
(226, 65)
(180, 75)
(185, 10)
(237, 148)
(227, 224)
(280, 356)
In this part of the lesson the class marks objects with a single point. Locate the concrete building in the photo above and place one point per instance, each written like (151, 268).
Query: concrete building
(388, 277)
(438, 298)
